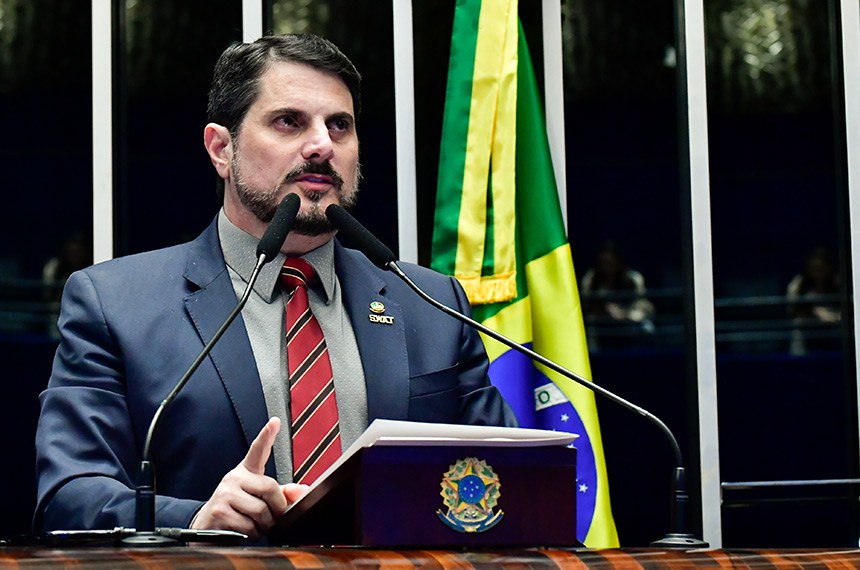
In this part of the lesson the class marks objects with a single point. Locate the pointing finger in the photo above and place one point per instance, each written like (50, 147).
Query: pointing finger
(257, 456)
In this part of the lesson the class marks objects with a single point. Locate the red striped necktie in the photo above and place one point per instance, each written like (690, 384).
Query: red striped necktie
(313, 408)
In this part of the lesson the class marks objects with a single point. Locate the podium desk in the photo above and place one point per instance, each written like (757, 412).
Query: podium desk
(260, 557)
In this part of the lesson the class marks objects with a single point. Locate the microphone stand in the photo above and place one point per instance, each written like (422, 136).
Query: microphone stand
(145, 532)
(678, 536)
(379, 254)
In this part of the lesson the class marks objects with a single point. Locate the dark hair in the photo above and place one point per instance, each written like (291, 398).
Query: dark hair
(618, 281)
(236, 79)
(829, 281)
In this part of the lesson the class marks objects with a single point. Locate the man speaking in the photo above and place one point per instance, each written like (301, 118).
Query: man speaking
(299, 375)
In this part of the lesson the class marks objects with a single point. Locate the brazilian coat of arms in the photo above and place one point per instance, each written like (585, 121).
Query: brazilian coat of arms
(470, 490)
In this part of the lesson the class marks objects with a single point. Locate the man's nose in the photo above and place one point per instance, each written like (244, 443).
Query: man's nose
(318, 146)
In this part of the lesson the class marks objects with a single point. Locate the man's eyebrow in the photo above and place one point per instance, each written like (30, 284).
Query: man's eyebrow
(342, 115)
(300, 114)
(287, 111)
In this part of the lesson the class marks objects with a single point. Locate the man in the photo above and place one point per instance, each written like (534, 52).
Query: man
(283, 119)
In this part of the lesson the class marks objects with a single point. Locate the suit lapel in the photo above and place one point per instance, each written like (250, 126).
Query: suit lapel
(382, 346)
(232, 355)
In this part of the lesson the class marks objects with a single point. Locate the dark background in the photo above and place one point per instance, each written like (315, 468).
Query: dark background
(777, 189)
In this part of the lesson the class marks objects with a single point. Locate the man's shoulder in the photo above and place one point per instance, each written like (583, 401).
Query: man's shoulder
(416, 272)
(146, 263)
(140, 284)
(358, 273)
(165, 263)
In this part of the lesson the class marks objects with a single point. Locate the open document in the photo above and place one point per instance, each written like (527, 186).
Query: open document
(393, 432)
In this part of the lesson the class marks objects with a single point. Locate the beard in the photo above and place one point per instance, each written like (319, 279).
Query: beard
(312, 222)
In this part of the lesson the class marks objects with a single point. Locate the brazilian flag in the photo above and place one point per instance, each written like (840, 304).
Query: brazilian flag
(499, 230)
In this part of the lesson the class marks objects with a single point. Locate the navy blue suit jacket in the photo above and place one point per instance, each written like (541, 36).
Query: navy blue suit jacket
(130, 327)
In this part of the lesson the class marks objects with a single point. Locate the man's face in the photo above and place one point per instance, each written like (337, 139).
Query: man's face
(298, 136)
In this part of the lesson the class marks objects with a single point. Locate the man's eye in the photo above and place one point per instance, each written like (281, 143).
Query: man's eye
(340, 124)
(288, 121)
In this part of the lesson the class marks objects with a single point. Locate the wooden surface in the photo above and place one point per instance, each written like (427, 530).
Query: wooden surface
(241, 558)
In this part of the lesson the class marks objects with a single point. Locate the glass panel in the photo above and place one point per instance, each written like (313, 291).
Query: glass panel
(431, 29)
(45, 103)
(166, 187)
(625, 227)
(623, 172)
(781, 271)
(372, 52)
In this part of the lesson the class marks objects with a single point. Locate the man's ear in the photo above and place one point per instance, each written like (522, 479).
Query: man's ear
(219, 145)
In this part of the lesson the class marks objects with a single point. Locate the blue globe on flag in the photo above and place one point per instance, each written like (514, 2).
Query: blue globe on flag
(538, 403)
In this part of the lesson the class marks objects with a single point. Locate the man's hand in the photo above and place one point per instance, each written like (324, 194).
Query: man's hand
(246, 500)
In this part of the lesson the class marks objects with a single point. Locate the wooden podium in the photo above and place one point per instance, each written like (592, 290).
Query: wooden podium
(445, 493)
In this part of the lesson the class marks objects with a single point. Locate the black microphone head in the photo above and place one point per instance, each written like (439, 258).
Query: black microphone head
(359, 237)
(280, 226)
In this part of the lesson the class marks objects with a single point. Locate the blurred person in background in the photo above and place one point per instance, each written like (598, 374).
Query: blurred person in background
(813, 303)
(615, 295)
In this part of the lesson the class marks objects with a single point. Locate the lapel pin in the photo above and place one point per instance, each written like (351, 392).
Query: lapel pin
(376, 315)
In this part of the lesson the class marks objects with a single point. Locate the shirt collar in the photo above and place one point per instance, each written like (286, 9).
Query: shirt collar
(240, 248)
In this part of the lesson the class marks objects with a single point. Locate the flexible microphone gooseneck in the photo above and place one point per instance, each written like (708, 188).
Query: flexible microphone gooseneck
(358, 236)
(146, 534)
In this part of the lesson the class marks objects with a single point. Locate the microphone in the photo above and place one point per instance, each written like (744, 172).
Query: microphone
(351, 232)
(282, 221)
(145, 533)
(380, 255)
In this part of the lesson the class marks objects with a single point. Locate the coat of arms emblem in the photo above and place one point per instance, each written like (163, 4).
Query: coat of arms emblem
(470, 490)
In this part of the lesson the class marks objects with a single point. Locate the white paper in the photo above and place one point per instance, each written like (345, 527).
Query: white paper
(394, 432)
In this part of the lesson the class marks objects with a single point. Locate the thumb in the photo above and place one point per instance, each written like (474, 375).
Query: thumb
(294, 491)
(257, 456)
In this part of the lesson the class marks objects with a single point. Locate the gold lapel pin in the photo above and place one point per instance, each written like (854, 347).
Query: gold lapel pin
(376, 315)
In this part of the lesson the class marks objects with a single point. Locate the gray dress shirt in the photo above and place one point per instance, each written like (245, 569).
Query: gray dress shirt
(264, 316)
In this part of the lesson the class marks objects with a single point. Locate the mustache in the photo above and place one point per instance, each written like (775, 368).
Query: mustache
(323, 168)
